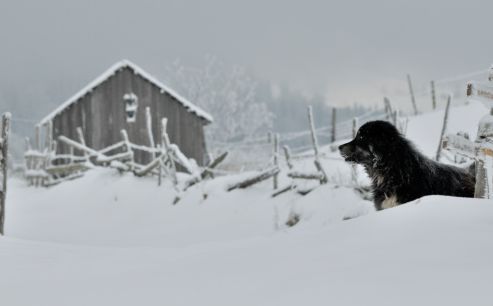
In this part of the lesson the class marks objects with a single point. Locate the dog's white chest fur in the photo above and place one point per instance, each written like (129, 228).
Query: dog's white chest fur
(389, 202)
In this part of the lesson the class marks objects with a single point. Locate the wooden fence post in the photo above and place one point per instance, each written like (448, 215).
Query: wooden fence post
(269, 137)
(49, 136)
(287, 154)
(37, 138)
(276, 159)
(388, 109)
(484, 158)
(411, 92)
(318, 164)
(444, 128)
(82, 140)
(167, 151)
(128, 148)
(4, 149)
(354, 172)
(149, 131)
(433, 95)
(334, 124)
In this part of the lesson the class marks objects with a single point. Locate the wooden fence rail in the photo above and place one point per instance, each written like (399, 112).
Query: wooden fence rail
(45, 168)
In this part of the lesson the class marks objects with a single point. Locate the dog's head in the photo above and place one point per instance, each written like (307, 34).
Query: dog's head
(372, 141)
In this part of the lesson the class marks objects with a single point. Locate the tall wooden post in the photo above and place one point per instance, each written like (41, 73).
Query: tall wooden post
(269, 137)
(318, 164)
(4, 148)
(149, 131)
(276, 159)
(411, 92)
(82, 140)
(433, 95)
(355, 126)
(444, 128)
(354, 171)
(388, 108)
(49, 136)
(128, 148)
(167, 151)
(334, 124)
(287, 154)
(37, 138)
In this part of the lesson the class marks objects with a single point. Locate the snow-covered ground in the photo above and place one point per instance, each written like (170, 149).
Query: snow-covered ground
(111, 239)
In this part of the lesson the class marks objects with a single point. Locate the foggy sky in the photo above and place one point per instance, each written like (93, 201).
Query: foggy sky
(347, 50)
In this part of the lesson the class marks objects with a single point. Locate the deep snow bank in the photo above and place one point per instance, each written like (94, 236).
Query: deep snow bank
(435, 251)
(106, 208)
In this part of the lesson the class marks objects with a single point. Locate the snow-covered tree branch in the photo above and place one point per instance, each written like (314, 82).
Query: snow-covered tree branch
(228, 93)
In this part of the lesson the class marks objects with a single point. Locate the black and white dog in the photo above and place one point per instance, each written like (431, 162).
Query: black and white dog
(399, 172)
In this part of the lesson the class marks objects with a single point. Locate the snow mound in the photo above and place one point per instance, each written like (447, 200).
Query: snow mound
(106, 208)
(435, 251)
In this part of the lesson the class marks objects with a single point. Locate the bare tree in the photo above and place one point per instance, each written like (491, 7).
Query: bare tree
(229, 94)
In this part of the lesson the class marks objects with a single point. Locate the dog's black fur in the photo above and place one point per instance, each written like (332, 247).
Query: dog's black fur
(399, 172)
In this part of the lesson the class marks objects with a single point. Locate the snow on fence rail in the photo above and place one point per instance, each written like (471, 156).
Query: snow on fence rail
(480, 150)
(4, 144)
(44, 167)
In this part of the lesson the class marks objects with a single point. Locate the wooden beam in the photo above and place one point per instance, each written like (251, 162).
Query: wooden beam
(262, 176)
(4, 153)
(334, 125)
(316, 150)
(276, 160)
(411, 92)
(433, 95)
(444, 128)
(150, 135)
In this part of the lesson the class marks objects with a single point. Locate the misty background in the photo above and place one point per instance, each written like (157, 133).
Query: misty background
(346, 54)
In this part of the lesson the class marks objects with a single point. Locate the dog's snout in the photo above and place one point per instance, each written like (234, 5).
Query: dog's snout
(343, 148)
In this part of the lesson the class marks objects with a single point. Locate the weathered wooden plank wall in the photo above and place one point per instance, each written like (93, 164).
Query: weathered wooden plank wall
(101, 114)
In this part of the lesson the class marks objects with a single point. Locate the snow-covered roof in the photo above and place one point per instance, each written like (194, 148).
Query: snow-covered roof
(137, 70)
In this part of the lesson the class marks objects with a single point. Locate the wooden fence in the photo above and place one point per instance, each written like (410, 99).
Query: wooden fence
(480, 150)
(44, 167)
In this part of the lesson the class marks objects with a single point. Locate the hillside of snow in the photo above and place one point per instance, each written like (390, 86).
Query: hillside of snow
(114, 239)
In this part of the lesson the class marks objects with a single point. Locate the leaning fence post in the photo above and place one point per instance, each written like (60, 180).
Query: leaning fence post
(128, 148)
(4, 146)
(444, 128)
(411, 92)
(167, 150)
(317, 162)
(287, 154)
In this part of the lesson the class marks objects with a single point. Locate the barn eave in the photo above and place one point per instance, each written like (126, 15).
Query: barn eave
(206, 117)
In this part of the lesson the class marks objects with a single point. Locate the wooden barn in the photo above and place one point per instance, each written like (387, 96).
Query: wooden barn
(117, 100)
